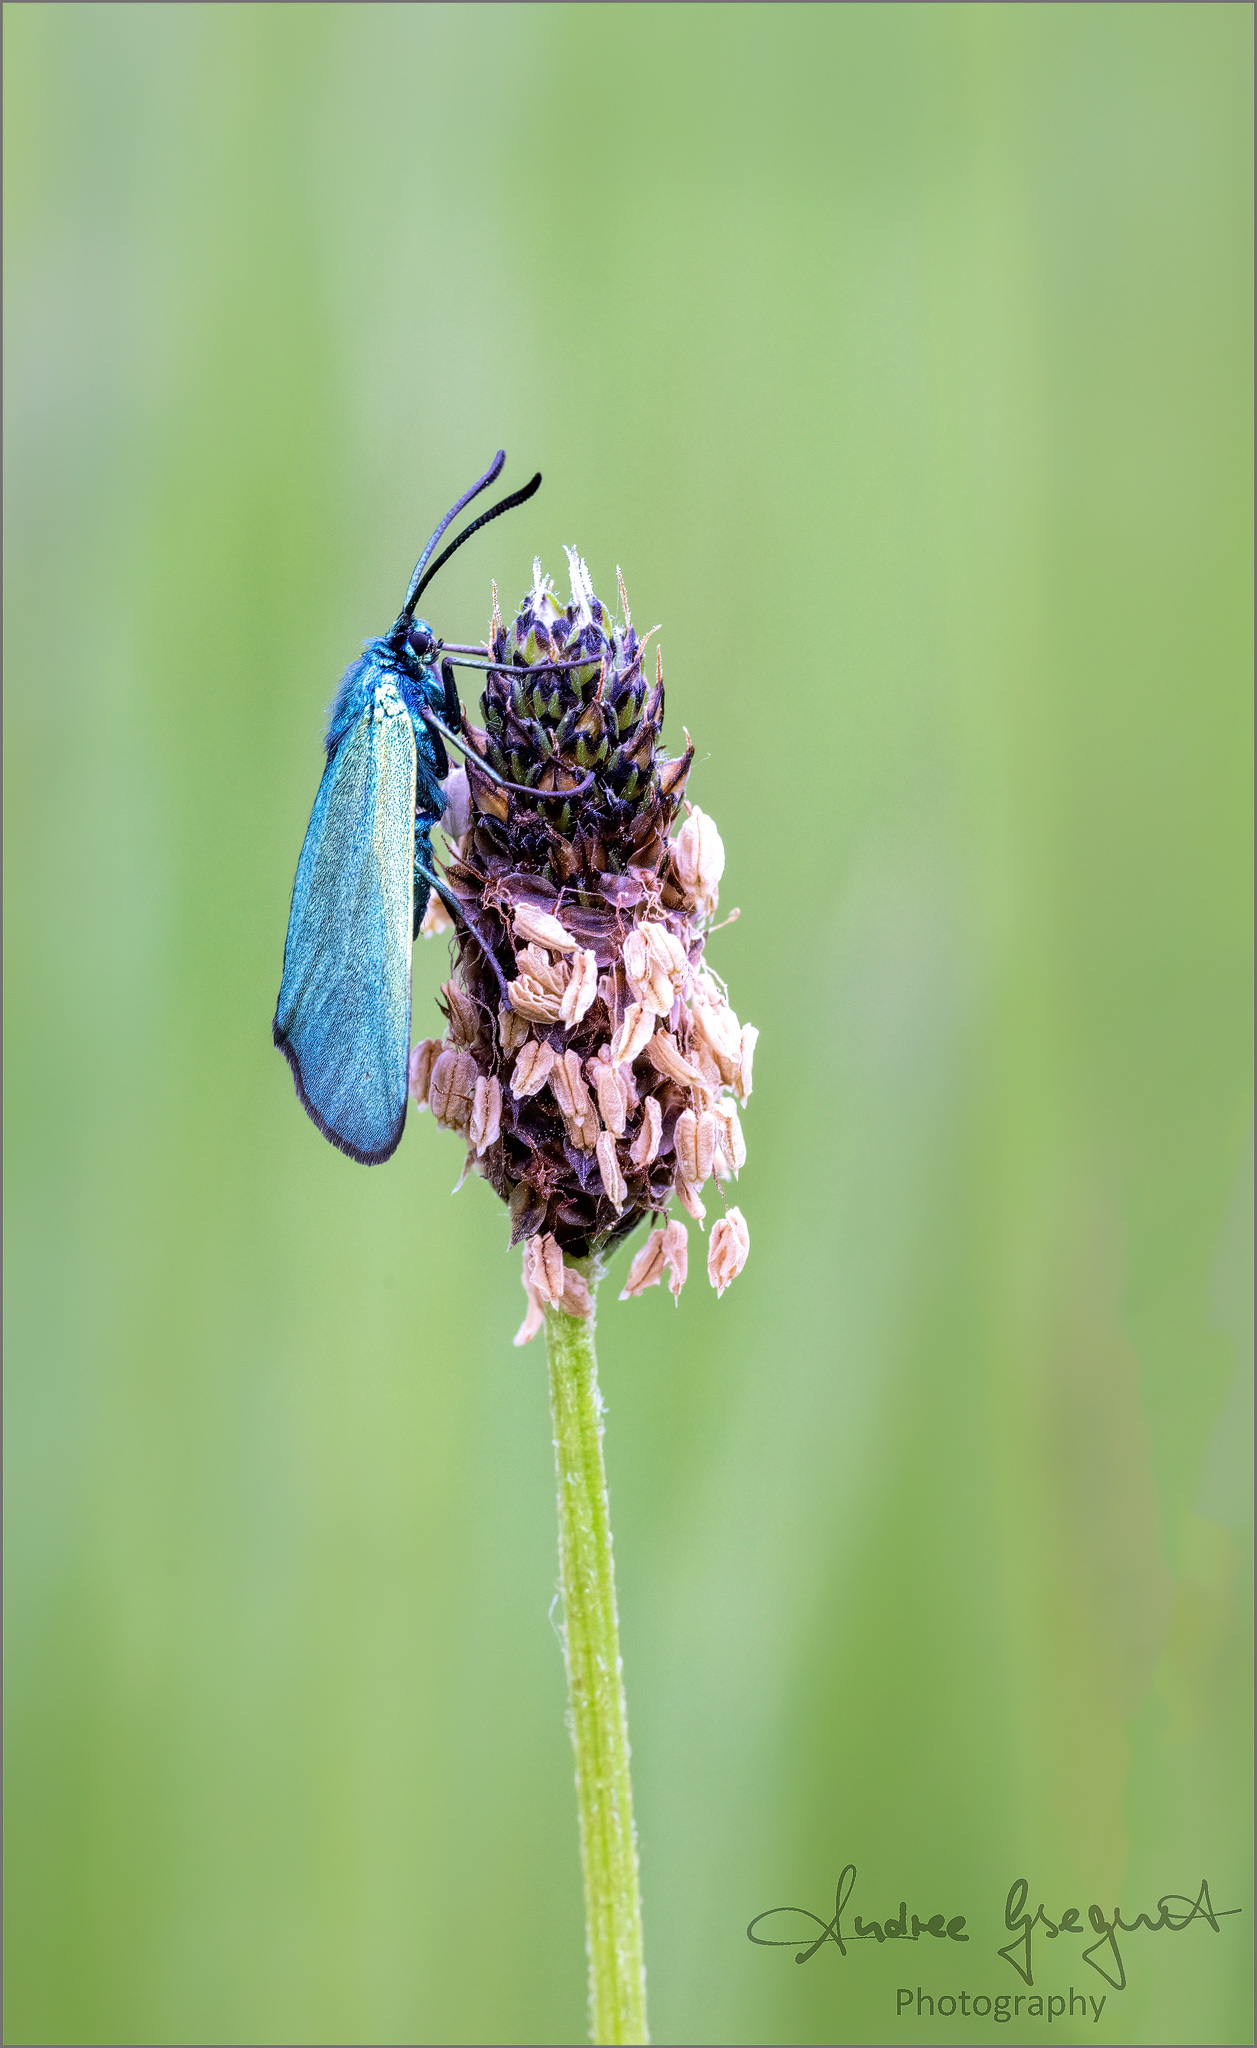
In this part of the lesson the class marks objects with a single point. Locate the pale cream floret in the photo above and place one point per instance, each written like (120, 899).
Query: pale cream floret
(727, 1250)
(655, 966)
(464, 1014)
(537, 927)
(581, 989)
(534, 1318)
(436, 918)
(742, 1082)
(537, 992)
(532, 1068)
(676, 1254)
(667, 1057)
(613, 1181)
(610, 1088)
(567, 1085)
(512, 1030)
(452, 1089)
(666, 1248)
(423, 1058)
(712, 1086)
(543, 1268)
(547, 991)
(633, 1034)
(698, 860)
(647, 1268)
(550, 1284)
(685, 1145)
(696, 1138)
(486, 1114)
(645, 1146)
(718, 1029)
(730, 1144)
(456, 817)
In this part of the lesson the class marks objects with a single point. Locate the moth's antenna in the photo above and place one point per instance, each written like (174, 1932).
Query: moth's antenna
(506, 505)
(490, 476)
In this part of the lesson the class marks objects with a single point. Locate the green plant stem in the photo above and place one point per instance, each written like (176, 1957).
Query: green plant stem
(613, 1913)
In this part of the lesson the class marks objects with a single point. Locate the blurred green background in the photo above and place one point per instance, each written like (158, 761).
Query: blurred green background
(901, 357)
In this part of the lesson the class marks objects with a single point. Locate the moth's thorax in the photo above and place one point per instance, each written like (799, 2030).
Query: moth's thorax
(418, 681)
(385, 681)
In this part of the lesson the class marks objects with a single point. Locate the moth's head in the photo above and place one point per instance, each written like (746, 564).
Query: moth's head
(413, 642)
(421, 640)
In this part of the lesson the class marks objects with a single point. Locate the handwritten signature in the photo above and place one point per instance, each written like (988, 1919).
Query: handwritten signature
(1016, 1916)
(893, 1929)
(1174, 1913)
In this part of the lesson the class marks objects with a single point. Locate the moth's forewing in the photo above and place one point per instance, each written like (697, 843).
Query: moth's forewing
(343, 1017)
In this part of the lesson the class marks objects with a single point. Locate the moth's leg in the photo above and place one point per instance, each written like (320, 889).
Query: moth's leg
(547, 796)
(453, 708)
(430, 880)
(422, 869)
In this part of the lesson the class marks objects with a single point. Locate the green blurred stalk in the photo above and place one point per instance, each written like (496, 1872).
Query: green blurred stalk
(613, 1911)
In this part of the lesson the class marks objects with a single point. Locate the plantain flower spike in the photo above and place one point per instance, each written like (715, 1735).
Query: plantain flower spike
(594, 1065)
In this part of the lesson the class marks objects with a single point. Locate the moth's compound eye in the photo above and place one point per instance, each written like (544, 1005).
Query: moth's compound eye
(421, 641)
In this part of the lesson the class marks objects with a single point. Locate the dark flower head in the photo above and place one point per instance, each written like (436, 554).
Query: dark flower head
(593, 1064)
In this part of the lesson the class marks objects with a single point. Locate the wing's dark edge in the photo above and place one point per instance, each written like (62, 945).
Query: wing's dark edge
(334, 1137)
